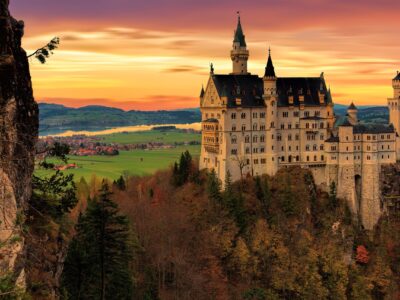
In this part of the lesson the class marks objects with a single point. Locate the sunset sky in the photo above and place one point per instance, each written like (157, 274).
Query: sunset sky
(155, 54)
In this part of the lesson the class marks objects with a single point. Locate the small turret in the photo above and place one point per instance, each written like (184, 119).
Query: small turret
(352, 112)
(396, 86)
(269, 78)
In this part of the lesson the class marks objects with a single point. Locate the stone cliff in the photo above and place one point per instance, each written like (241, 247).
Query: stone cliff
(18, 134)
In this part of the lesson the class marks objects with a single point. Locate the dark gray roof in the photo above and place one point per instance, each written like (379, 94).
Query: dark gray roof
(373, 129)
(249, 88)
(306, 86)
(239, 36)
(332, 139)
(212, 120)
(269, 69)
(313, 118)
(346, 123)
(202, 92)
(352, 106)
(398, 76)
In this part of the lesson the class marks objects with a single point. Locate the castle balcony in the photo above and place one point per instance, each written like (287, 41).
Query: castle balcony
(210, 139)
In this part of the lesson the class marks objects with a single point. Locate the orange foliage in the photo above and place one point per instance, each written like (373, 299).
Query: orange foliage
(362, 255)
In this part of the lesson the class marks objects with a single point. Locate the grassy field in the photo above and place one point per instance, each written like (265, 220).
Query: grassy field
(128, 161)
(167, 137)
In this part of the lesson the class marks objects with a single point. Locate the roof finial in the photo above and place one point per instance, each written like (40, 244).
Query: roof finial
(269, 50)
(238, 14)
(211, 68)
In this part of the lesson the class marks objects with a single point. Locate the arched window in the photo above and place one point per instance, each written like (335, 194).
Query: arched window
(262, 138)
(315, 148)
(255, 126)
(233, 140)
(297, 158)
(307, 147)
(243, 127)
(255, 139)
(247, 150)
(247, 139)
(315, 158)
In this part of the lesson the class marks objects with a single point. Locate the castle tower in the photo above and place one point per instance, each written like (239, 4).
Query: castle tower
(352, 114)
(394, 110)
(271, 107)
(239, 52)
(394, 104)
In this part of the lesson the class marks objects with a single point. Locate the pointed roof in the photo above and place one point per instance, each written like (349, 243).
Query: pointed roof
(352, 106)
(269, 69)
(239, 36)
(398, 76)
(202, 92)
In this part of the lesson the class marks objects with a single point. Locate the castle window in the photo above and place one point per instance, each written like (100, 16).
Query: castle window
(308, 158)
(248, 161)
(272, 125)
(289, 126)
(273, 159)
(272, 136)
(290, 148)
(321, 137)
(262, 150)
(233, 127)
(272, 148)
(374, 137)
(254, 115)
(297, 158)
(255, 150)
(368, 148)
(382, 147)
(388, 136)
(233, 140)
(307, 147)
(243, 115)
(347, 138)
(307, 125)
(321, 125)
(296, 137)
(233, 116)
(256, 161)
(247, 150)
(282, 158)
(263, 160)
(306, 114)
(206, 116)
(254, 126)
(321, 147)
(315, 158)
(255, 139)
(347, 148)
(233, 151)
(282, 126)
(243, 127)
(279, 137)
(247, 139)
(295, 114)
(322, 157)
(282, 148)
(347, 158)
(262, 115)
(262, 138)
(368, 157)
(262, 127)
(315, 148)
(285, 114)
(368, 138)
(289, 137)
(382, 137)
(388, 147)
(317, 113)
(297, 148)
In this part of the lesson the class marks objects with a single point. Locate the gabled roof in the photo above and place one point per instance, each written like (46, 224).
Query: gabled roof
(309, 87)
(239, 36)
(374, 129)
(249, 88)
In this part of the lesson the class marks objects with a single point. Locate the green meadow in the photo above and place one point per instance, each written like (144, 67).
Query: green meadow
(136, 162)
(167, 137)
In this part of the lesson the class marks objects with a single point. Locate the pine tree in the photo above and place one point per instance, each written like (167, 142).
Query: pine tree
(288, 203)
(263, 194)
(332, 195)
(98, 258)
(214, 187)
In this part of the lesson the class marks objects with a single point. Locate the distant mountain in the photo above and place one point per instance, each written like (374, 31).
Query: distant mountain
(55, 118)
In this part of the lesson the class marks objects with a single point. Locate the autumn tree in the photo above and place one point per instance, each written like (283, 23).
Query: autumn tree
(214, 187)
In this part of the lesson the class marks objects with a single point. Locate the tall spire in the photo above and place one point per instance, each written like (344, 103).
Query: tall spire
(269, 69)
(239, 36)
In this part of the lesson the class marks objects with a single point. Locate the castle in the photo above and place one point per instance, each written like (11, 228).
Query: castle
(253, 125)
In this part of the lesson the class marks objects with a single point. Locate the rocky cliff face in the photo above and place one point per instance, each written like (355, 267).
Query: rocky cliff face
(18, 134)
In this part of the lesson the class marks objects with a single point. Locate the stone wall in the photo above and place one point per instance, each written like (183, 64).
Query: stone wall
(18, 134)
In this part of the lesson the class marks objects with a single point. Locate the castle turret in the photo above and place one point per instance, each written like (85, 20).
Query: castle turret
(394, 109)
(271, 106)
(239, 52)
(352, 112)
